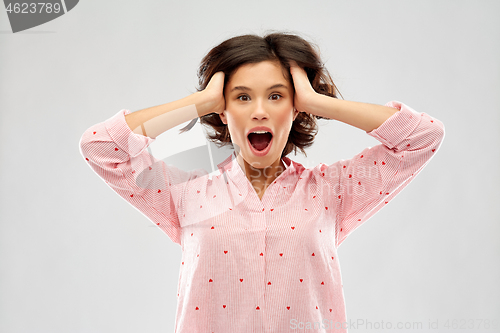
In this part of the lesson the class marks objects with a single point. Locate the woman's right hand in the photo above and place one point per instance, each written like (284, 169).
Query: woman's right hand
(214, 95)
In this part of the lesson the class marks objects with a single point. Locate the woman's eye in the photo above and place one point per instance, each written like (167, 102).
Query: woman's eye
(246, 96)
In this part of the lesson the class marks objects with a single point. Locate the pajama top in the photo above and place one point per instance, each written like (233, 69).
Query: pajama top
(270, 265)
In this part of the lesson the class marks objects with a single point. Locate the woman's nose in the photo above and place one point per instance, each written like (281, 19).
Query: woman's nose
(260, 111)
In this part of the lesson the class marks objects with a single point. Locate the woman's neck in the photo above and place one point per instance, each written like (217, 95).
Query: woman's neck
(261, 178)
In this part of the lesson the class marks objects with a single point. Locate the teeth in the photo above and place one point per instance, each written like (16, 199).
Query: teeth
(260, 132)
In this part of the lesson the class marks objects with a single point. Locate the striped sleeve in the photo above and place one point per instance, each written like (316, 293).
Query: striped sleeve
(366, 183)
(120, 158)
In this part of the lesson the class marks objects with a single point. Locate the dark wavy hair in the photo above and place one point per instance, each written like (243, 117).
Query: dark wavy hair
(276, 46)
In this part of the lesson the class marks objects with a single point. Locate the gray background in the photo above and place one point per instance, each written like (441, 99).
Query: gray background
(75, 257)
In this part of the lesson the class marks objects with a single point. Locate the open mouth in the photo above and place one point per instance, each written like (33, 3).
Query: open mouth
(260, 141)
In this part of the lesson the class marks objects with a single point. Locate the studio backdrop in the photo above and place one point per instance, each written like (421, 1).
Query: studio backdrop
(75, 257)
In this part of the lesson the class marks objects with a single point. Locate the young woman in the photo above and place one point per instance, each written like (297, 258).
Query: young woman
(260, 235)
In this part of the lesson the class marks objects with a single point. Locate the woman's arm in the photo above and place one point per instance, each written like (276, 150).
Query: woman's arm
(359, 187)
(361, 115)
(155, 120)
(119, 156)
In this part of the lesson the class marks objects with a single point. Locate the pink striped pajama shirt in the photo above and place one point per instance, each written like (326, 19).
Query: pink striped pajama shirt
(270, 265)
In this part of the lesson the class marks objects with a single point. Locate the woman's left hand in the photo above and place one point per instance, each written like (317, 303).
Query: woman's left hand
(304, 92)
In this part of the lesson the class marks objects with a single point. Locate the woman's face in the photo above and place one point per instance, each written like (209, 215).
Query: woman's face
(259, 95)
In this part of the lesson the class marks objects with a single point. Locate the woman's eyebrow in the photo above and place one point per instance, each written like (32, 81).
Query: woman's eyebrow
(243, 88)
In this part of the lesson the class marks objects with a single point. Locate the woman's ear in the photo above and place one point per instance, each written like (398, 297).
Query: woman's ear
(222, 117)
(295, 113)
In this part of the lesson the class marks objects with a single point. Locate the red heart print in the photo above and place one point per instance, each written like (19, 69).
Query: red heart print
(215, 195)
(330, 310)
(432, 121)
(150, 168)
(387, 202)
(159, 191)
(224, 306)
(326, 208)
(375, 162)
(301, 280)
(433, 150)
(340, 229)
(116, 149)
(293, 228)
(383, 163)
(314, 197)
(131, 195)
(230, 209)
(272, 209)
(313, 254)
(191, 234)
(263, 209)
(323, 174)
(350, 176)
(322, 283)
(197, 308)
(344, 166)
(257, 308)
(261, 254)
(201, 206)
(332, 258)
(198, 191)
(316, 307)
(288, 308)
(359, 183)
(241, 280)
(281, 254)
(361, 156)
(269, 283)
(158, 223)
(339, 196)
(319, 230)
(210, 280)
(305, 208)
(86, 158)
(225, 252)
(212, 227)
(94, 132)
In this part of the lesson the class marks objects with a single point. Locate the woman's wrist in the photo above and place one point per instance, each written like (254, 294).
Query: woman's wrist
(316, 104)
(204, 104)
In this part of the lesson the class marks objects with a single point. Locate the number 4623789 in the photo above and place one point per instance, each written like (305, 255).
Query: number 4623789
(32, 8)
(471, 324)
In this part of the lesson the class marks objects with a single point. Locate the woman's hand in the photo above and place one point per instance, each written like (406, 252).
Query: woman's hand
(304, 92)
(213, 95)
